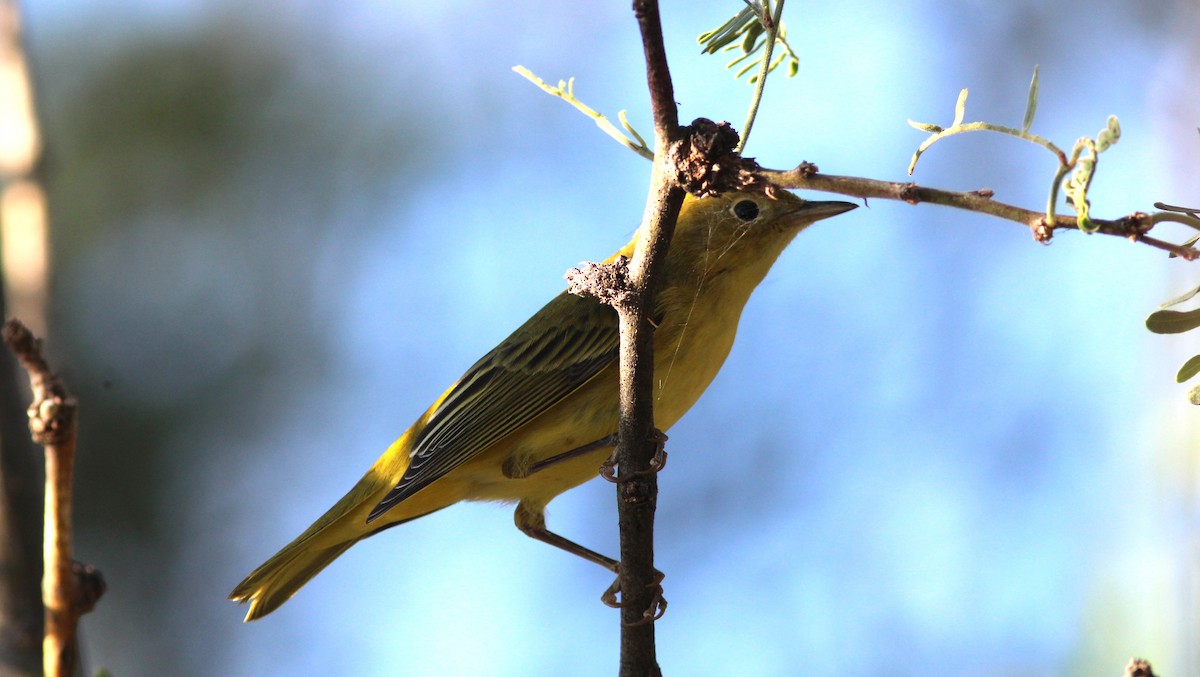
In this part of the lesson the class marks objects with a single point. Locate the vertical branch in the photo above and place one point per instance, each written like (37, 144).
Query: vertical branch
(23, 247)
(658, 75)
(637, 489)
(68, 590)
(20, 533)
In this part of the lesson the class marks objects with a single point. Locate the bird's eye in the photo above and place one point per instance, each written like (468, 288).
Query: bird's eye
(746, 210)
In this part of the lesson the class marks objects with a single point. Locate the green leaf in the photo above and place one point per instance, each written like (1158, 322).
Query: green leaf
(1031, 102)
(1188, 370)
(729, 31)
(1182, 297)
(1173, 321)
(752, 34)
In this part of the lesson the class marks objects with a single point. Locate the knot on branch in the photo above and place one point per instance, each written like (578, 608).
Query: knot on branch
(51, 416)
(1136, 225)
(1043, 232)
(608, 283)
(52, 413)
(639, 490)
(705, 160)
(89, 587)
(806, 169)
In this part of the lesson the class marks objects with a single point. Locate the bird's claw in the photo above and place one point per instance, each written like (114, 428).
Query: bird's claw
(658, 603)
(657, 462)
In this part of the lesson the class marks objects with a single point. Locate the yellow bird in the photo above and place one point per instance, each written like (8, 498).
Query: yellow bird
(528, 420)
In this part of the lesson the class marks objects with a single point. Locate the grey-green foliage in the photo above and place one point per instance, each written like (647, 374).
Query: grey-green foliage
(198, 177)
(744, 32)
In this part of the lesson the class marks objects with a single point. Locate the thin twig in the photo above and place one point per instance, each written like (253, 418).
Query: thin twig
(1134, 226)
(52, 424)
(566, 92)
(771, 22)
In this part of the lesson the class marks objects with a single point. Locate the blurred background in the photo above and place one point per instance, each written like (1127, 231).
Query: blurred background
(282, 228)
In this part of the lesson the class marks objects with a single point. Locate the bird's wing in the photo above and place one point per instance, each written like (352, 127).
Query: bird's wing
(556, 351)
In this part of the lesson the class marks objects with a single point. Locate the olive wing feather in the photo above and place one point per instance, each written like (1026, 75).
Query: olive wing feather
(562, 347)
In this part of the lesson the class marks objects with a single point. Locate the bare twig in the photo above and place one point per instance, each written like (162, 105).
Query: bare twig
(566, 92)
(68, 590)
(1134, 226)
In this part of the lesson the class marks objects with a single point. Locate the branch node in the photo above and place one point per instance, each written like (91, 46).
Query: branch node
(1136, 225)
(636, 490)
(705, 161)
(608, 283)
(910, 193)
(1043, 232)
(52, 412)
(985, 193)
(806, 169)
(90, 586)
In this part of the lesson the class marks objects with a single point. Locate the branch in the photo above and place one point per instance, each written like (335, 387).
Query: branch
(1134, 226)
(25, 275)
(771, 24)
(637, 486)
(700, 159)
(69, 590)
(658, 75)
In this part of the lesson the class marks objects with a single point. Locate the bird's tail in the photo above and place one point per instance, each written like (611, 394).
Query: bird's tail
(274, 583)
(343, 525)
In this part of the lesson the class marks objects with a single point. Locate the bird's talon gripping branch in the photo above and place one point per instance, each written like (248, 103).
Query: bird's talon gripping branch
(608, 468)
(609, 596)
(657, 462)
(656, 610)
(658, 604)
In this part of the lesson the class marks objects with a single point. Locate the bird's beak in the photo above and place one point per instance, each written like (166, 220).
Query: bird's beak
(815, 210)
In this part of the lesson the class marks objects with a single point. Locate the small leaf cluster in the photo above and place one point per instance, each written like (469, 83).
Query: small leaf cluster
(1166, 321)
(748, 32)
